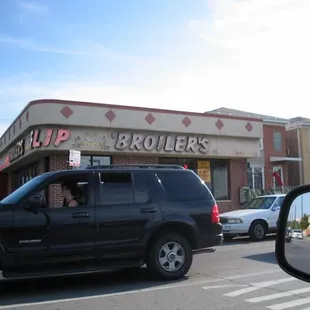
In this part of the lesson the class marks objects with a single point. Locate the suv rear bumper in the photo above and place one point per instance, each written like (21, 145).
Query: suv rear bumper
(208, 242)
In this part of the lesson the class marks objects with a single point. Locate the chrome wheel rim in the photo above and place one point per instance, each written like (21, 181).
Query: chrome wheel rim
(259, 231)
(171, 256)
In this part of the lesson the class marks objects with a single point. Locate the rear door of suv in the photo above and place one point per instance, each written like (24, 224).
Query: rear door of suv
(126, 208)
(188, 198)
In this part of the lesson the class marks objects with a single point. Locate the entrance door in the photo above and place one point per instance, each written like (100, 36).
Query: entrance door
(277, 176)
(256, 177)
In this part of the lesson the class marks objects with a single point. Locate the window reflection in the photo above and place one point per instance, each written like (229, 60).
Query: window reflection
(21, 176)
(220, 174)
(93, 160)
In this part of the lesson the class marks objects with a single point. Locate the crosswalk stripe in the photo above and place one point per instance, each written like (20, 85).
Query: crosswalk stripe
(279, 295)
(290, 304)
(223, 286)
(256, 286)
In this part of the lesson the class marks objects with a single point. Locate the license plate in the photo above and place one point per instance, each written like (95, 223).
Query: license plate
(225, 227)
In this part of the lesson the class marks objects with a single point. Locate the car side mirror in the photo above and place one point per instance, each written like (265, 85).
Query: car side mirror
(293, 252)
(34, 203)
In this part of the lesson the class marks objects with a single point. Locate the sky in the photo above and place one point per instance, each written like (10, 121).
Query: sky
(191, 55)
(299, 207)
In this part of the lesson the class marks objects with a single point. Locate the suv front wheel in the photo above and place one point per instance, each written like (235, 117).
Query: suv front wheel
(169, 257)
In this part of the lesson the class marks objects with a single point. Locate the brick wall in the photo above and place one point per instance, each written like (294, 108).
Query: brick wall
(130, 160)
(238, 179)
(58, 161)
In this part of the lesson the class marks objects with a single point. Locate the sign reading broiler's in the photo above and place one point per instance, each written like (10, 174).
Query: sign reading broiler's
(159, 143)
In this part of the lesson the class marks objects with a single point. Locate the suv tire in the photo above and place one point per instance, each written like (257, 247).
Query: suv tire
(169, 257)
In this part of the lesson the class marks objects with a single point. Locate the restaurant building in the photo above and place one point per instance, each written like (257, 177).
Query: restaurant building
(277, 165)
(216, 147)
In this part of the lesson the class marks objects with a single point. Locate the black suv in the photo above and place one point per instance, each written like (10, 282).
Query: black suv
(107, 218)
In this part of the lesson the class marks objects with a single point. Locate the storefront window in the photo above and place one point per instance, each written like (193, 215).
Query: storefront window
(21, 176)
(220, 181)
(218, 178)
(92, 160)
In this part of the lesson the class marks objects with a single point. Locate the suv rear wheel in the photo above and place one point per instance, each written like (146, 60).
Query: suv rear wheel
(169, 257)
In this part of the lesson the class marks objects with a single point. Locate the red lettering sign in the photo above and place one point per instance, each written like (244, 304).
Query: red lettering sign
(5, 164)
(38, 139)
(62, 135)
(48, 137)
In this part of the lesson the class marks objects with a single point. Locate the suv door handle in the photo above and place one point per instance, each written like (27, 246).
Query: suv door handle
(148, 210)
(80, 215)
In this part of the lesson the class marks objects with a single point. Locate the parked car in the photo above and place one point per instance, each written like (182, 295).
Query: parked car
(256, 219)
(288, 235)
(113, 217)
(297, 234)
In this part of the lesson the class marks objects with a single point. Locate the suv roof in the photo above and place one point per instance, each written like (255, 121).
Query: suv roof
(139, 166)
(123, 167)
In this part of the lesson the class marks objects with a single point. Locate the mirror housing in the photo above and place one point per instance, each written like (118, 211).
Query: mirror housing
(34, 203)
(292, 249)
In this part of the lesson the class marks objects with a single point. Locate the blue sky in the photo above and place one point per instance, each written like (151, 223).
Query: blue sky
(50, 43)
(193, 55)
(300, 205)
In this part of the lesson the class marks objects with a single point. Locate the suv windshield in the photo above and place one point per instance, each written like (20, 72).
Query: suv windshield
(297, 231)
(261, 203)
(23, 190)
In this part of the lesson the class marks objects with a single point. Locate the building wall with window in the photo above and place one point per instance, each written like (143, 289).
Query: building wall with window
(269, 170)
(275, 147)
(216, 148)
(294, 170)
(305, 154)
(298, 140)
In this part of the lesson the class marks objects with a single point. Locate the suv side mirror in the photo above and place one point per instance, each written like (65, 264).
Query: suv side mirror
(34, 203)
(292, 252)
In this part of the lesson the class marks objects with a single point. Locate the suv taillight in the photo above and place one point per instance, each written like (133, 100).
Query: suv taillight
(215, 215)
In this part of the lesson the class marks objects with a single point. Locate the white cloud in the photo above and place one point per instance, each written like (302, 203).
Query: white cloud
(254, 57)
(264, 60)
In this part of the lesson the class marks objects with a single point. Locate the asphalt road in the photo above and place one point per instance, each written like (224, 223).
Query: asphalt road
(297, 254)
(239, 275)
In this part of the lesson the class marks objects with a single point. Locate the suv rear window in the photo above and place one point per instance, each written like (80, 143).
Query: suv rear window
(184, 186)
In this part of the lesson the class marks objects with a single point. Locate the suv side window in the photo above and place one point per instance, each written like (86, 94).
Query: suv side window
(141, 192)
(116, 188)
(67, 191)
(184, 186)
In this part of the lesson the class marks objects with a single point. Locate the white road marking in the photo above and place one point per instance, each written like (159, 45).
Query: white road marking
(290, 304)
(225, 285)
(279, 295)
(159, 288)
(256, 286)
